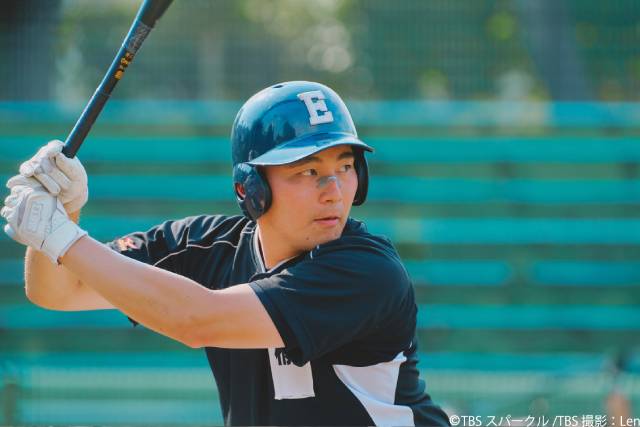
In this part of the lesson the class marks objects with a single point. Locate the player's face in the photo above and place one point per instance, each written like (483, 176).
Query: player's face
(311, 198)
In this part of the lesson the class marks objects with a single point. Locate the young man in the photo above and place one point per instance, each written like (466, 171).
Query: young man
(305, 317)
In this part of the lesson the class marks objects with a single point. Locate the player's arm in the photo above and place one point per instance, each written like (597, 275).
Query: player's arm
(171, 304)
(94, 276)
(57, 288)
(47, 284)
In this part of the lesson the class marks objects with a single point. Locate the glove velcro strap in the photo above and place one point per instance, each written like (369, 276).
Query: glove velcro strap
(61, 239)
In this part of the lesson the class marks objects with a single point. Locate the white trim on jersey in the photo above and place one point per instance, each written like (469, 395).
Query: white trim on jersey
(290, 381)
(375, 387)
(258, 251)
(166, 257)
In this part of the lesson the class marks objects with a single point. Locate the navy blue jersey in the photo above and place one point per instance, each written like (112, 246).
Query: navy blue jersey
(345, 311)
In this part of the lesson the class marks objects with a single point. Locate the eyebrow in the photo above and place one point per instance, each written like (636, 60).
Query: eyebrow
(343, 155)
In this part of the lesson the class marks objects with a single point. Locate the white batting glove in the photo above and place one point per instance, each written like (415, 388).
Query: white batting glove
(61, 176)
(38, 219)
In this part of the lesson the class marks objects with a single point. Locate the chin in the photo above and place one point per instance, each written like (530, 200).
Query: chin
(331, 234)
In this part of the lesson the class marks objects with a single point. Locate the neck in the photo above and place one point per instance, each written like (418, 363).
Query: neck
(273, 253)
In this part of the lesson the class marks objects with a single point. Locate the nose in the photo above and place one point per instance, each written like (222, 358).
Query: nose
(331, 188)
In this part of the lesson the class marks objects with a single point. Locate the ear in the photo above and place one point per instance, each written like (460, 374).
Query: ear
(240, 190)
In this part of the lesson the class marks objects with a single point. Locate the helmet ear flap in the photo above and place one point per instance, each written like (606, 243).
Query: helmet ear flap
(362, 172)
(257, 197)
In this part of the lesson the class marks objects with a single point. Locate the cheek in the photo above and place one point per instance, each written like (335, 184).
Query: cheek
(289, 202)
(350, 186)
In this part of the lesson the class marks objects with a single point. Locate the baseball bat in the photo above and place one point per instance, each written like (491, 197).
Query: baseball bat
(150, 11)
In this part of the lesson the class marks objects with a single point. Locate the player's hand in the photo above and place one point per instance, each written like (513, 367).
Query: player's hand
(38, 219)
(61, 176)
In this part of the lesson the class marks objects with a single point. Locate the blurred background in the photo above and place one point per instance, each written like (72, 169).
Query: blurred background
(507, 173)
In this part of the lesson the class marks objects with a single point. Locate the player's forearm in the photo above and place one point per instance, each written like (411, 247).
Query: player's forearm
(47, 284)
(163, 301)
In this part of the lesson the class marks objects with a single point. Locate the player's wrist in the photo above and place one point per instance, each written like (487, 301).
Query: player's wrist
(74, 216)
(74, 206)
(56, 244)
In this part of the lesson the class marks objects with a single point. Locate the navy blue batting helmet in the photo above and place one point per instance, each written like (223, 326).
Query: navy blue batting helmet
(284, 123)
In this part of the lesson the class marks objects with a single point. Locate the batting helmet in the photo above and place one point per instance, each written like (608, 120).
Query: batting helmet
(284, 123)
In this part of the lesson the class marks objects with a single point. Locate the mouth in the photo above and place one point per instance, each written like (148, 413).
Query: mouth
(328, 221)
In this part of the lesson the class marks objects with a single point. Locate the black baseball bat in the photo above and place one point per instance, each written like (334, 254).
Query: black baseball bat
(150, 11)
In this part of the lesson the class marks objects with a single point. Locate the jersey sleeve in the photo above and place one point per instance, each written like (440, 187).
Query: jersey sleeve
(157, 246)
(342, 299)
(167, 245)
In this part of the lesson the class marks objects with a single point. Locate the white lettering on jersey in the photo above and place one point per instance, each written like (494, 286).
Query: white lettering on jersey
(289, 381)
(316, 106)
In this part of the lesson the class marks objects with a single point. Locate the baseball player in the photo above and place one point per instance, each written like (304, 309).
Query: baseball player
(305, 317)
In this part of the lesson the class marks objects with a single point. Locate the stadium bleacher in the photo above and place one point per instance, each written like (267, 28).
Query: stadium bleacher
(523, 246)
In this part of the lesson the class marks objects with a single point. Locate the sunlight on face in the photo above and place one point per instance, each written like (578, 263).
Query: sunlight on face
(311, 198)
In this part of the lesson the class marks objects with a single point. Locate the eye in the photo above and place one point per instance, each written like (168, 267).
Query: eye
(346, 168)
(309, 172)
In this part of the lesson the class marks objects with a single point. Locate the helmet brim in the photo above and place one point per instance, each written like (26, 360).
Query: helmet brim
(300, 148)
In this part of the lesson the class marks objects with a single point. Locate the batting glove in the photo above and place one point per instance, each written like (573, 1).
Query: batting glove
(39, 220)
(61, 176)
